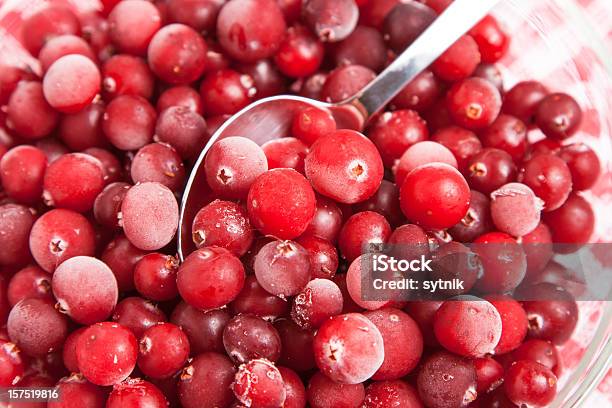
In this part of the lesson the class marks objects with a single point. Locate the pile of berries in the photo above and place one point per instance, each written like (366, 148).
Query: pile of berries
(96, 141)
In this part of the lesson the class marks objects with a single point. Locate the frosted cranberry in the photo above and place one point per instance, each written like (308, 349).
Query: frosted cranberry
(46, 23)
(259, 384)
(420, 93)
(107, 205)
(459, 61)
(11, 364)
(359, 231)
(550, 179)
(558, 116)
(106, 353)
(201, 15)
(253, 299)
(513, 198)
(137, 315)
(149, 215)
(327, 220)
(129, 14)
(29, 282)
(319, 300)
(583, 164)
(158, 162)
(435, 196)
(373, 13)
(226, 92)
(530, 383)
(73, 181)
(203, 328)
(476, 221)
(523, 99)
(36, 327)
(508, 134)
(281, 203)
(490, 169)
(365, 46)
(69, 356)
(22, 170)
(136, 392)
(250, 30)
(453, 374)
(224, 224)
(473, 103)
(85, 288)
(232, 165)
(345, 81)
(127, 75)
(540, 351)
(331, 21)
(155, 277)
(207, 381)
(492, 41)
(121, 256)
(405, 23)
(295, 393)
(350, 174)
(71, 83)
(300, 53)
(10, 76)
(421, 153)
(177, 54)
(296, 350)
(63, 45)
(59, 235)
(514, 322)
(394, 132)
(339, 352)
(282, 268)
(504, 262)
(353, 286)
(323, 256)
(181, 127)
(312, 123)
(491, 73)
(382, 394)
(267, 79)
(129, 122)
(573, 222)
(180, 96)
(489, 374)
(325, 393)
(28, 112)
(210, 277)
(15, 225)
(248, 337)
(83, 130)
(164, 349)
(287, 152)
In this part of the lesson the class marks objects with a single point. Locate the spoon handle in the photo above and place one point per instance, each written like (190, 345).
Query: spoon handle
(455, 21)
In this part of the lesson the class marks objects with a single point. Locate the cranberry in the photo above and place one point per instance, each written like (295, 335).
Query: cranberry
(438, 115)
(453, 260)
(420, 94)
(59, 235)
(127, 75)
(323, 256)
(267, 79)
(327, 220)
(158, 162)
(137, 315)
(476, 221)
(248, 337)
(353, 285)
(361, 230)
(63, 45)
(226, 92)
(296, 350)
(394, 132)
(253, 299)
(453, 374)
(331, 21)
(312, 86)
(29, 282)
(522, 100)
(530, 383)
(201, 15)
(583, 164)
(249, 30)
(11, 364)
(182, 127)
(83, 130)
(69, 356)
(550, 179)
(36, 327)
(325, 393)
(346, 81)
(206, 381)
(164, 349)
(180, 96)
(77, 388)
(540, 351)
(489, 374)
(490, 169)
(46, 23)
(129, 14)
(365, 46)
(435, 196)
(339, 352)
(28, 112)
(203, 328)
(419, 154)
(121, 256)
(210, 277)
(259, 384)
(287, 152)
(107, 205)
(459, 61)
(473, 103)
(155, 277)
(508, 134)
(492, 41)
(572, 223)
(538, 248)
(504, 262)
(300, 54)
(10, 76)
(134, 392)
(110, 163)
(312, 123)
(282, 268)
(295, 393)
(558, 115)
(391, 393)
(513, 198)
(514, 322)
(491, 73)
(373, 13)
(318, 301)
(129, 122)
(15, 225)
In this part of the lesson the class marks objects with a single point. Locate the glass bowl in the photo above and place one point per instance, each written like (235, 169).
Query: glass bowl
(552, 41)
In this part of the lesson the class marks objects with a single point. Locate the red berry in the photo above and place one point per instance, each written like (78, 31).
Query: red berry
(514, 322)
(62, 45)
(508, 134)
(513, 198)
(286, 152)
(473, 103)
(572, 223)
(558, 116)
(254, 299)
(137, 315)
(398, 393)
(259, 384)
(129, 14)
(71, 83)
(206, 381)
(530, 383)
(312, 123)
(583, 164)
(127, 75)
(46, 23)
(504, 262)
(15, 225)
(522, 100)
(318, 301)
(459, 61)
(248, 337)
(453, 374)
(300, 54)
(331, 21)
(361, 230)
(163, 350)
(282, 268)
(129, 122)
(492, 41)
(549, 178)
(158, 162)
(419, 154)
(225, 92)
(182, 127)
(155, 277)
(28, 112)
(322, 392)
(203, 328)
(136, 392)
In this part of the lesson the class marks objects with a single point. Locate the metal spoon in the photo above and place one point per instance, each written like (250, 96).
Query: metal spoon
(271, 118)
